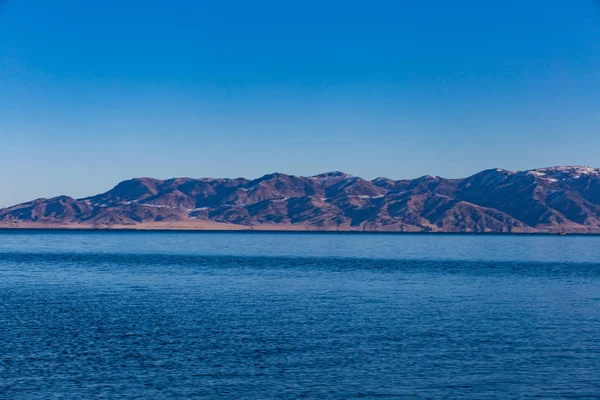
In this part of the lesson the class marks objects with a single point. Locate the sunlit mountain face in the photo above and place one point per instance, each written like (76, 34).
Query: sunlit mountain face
(551, 199)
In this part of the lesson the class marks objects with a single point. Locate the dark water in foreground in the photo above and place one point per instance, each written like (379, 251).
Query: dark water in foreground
(202, 315)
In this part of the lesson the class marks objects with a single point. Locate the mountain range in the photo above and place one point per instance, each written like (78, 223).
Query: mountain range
(555, 199)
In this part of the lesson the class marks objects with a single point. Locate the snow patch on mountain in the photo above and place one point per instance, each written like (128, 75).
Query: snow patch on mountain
(566, 172)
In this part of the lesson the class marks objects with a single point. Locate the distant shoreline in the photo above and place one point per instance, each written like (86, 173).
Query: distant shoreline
(76, 229)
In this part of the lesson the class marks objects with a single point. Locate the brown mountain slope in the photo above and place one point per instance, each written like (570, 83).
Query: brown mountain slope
(544, 200)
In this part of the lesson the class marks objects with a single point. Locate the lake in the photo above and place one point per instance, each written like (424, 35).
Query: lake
(167, 315)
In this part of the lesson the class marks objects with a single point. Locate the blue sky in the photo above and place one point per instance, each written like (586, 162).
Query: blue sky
(92, 93)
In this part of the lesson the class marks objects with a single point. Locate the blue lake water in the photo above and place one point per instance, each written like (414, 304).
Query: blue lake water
(159, 315)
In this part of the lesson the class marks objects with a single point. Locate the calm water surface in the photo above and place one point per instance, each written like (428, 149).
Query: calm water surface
(238, 315)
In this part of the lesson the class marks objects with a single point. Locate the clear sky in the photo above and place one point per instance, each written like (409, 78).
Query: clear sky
(94, 92)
